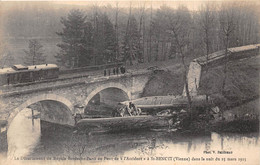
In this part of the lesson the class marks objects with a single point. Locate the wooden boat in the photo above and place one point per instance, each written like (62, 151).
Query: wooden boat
(124, 123)
(168, 102)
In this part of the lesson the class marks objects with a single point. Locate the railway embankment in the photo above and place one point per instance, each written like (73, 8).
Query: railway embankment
(239, 102)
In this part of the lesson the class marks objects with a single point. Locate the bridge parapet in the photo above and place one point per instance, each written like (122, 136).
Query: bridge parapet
(76, 92)
(27, 88)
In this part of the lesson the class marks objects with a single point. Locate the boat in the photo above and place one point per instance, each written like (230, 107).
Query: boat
(158, 103)
(156, 112)
(124, 123)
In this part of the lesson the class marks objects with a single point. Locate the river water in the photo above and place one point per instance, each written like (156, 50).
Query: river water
(26, 140)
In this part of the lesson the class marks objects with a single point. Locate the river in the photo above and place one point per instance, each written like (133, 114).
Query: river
(26, 140)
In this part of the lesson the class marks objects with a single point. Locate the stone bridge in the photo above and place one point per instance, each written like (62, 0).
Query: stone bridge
(62, 99)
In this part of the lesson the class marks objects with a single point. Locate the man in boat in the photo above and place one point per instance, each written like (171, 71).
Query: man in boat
(134, 110)
(127, 110)
(114, 71)
(117, 70)
(77, 117)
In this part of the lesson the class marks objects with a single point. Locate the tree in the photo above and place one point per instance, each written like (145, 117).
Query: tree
(141, 32)
(88, 47)
(72, 35)
(117, 34)
(227, 26)
(150, 35)
(246, 24)
(207, 22)
(104, 39)
(6, 59)
(131, 48)
(159, 28)
(110, 46)
(179, 28)
(34, 55)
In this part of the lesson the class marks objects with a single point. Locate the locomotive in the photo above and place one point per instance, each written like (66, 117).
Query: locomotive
(23, 74)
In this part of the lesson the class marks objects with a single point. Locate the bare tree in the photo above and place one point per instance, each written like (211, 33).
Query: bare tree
(246, 24)
(34, 55)
(130, 44)
(141, 32)
(180, 29)
(6, 59)
(150, 35)
(207, 22)
(227, 26)
(96, 31)
(160, 25)
(116, 28)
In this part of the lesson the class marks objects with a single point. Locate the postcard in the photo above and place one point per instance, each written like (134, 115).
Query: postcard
(129, 82)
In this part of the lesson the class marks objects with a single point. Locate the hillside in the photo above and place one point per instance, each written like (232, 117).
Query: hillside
(242, 84)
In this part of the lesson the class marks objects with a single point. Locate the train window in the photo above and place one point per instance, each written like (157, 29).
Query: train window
(11, 78)
(20, 78)
(31, 76)
(50, 73)
(16, 77)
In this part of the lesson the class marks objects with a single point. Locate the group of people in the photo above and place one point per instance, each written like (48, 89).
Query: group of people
(115, 71)
(127, 110)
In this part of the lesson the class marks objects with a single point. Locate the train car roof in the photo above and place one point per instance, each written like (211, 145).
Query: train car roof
(43, 66)
(6, 70)
(220, 54)
(20, 67)
(30, 68)
(211, 57)
(242, 48)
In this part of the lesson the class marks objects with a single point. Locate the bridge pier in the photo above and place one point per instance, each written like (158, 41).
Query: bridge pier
(56, 113)
(136, 95)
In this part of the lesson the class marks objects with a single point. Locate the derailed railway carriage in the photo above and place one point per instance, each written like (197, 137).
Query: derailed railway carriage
(23, 74)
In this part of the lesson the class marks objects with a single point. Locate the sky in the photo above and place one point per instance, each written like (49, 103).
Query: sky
(193, 5)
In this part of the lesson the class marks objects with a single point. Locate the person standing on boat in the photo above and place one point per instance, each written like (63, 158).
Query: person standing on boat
(77, 117)
(129, 109)
(117, 70)
(135, 111)
(114, 71)
(123, 70)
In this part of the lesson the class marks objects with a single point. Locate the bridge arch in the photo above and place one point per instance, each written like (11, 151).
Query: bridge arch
(39, 98)
(107, 86)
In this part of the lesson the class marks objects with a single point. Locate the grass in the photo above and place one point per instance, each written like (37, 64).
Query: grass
(242, 81)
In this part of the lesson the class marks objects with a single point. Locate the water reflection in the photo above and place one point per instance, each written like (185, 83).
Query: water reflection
(23, 134)
(27, 139)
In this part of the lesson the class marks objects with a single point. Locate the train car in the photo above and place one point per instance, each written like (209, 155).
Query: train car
(243, 52)
(91, 68)
(23, 74)
(218, 58)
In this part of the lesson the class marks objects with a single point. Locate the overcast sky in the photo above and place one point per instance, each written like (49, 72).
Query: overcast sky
(192, 5)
